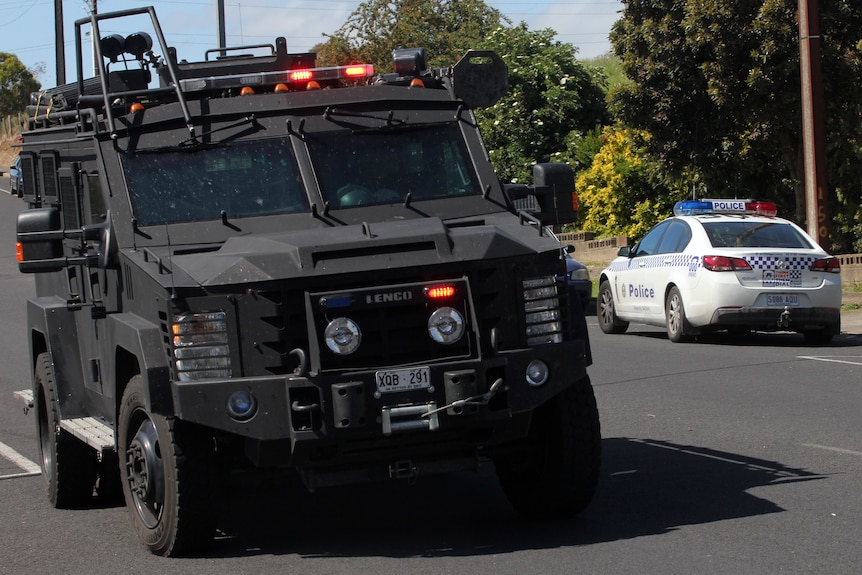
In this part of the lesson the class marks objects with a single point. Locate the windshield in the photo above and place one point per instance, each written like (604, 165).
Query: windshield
(381, 166)
(247, 178)
(754, 234)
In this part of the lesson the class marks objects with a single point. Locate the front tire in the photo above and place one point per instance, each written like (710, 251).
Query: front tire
(554, 474)
(168, 476)
(606, 312)
(68, 465)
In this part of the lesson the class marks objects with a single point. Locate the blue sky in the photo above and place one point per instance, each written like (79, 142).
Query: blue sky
(27, 26)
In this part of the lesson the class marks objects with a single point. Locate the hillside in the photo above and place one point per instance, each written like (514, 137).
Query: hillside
(7, 154)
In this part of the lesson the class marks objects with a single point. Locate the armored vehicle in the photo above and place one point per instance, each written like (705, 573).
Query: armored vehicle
(250, 262)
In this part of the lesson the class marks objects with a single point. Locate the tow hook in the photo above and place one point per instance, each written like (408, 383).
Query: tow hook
(784, 318)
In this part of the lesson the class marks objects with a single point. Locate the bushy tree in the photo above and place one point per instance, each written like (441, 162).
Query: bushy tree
(16, 83)
(445, 28)
(624, 192)
(552, 101)
(716, 85)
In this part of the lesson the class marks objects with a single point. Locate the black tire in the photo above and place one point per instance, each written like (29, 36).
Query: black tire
(820, 336)
(555, 473)
(68, 465)
(168, 477)
(606, 312)
(674, 311)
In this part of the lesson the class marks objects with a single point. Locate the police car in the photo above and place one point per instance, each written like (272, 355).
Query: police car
(723, 265)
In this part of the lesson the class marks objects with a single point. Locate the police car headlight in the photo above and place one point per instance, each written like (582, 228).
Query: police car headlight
(537, 373)
(342, 336)
(446, 325)
(200, 345)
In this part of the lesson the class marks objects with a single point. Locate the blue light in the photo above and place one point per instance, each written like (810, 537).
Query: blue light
(336, 301)
(692, 208)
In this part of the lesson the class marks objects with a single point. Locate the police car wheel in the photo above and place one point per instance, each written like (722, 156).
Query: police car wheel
(555, 473)
(168, 476)
(68, 465)
(606, 312)
(677, 325)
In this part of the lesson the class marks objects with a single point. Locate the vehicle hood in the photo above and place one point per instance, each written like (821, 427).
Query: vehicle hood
(353, 249)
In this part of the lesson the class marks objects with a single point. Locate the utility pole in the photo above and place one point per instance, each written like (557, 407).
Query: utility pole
(813, 128)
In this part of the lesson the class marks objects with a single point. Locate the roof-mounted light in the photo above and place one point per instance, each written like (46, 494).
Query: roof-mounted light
(728, 206)
(290, 79)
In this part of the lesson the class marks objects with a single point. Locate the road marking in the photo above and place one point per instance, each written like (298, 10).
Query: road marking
(30, 468)
(849, 359)
(835, 449)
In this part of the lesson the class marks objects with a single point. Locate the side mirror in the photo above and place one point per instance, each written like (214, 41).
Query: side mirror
(103, 233)
(554, 185)
(624, 251)
(40, 241)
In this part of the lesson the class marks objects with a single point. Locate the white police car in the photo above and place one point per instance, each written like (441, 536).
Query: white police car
(723, 265)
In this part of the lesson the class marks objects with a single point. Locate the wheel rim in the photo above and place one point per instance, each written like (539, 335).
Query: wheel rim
(674, 314)
(607, 308)
(146, 473)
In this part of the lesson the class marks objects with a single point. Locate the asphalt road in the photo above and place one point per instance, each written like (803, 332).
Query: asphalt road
(726, 456)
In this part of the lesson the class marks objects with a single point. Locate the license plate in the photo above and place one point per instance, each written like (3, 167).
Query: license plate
(394, 380)
(782, 300)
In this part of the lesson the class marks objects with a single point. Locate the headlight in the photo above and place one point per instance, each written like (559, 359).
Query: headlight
(446, 325)
(537, 373)
(542, 311)
(580, 275)
(342, 336)
(200, 345)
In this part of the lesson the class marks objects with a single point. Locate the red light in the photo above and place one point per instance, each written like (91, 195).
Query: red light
(440, 292)
(363, 70)
(768, 209)
(724, 264)
(246, 91)
(575, 203)
(301, 75)
(828, 265)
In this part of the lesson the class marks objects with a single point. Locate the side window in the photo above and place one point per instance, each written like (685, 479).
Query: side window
(650, 242)
(676, 238)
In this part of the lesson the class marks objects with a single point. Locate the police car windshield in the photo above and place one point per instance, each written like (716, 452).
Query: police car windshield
(360, 168)
(754, 234)
(248, 178)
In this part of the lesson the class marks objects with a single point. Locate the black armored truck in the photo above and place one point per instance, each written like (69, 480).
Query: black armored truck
(250, 263)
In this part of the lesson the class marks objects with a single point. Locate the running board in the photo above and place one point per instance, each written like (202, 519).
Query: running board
(91, 431)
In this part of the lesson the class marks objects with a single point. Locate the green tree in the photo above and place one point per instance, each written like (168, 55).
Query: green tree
(552, 102)
(16, 83)
(624, 192)
(445, 28)
(716, 85)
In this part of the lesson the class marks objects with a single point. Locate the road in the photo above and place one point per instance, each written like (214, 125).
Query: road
(724, 456)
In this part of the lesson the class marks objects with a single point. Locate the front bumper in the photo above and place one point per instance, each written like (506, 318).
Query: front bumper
(783, 319)
(339, 421)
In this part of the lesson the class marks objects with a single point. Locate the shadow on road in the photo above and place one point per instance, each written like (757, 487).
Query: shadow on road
(647, 488)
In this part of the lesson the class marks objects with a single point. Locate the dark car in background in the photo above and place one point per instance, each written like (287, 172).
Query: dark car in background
(16, 184)
(578, 277)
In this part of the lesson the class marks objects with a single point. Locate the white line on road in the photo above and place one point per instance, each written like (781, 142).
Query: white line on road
(28, 466)
(850, 359)
(835, 449)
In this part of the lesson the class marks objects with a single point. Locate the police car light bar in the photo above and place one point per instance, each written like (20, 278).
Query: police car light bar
(286, 77)
(705, 206)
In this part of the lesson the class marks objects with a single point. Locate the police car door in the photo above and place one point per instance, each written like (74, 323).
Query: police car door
(639, 295)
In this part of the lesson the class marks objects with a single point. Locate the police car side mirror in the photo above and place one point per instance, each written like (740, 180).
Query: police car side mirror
(39, 238)
(625, 252)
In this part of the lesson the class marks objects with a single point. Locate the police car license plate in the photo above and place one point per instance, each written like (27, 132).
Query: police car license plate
(393, 380)
(782, 300)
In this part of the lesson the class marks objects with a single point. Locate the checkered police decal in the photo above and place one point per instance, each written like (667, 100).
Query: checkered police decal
(652, 262)
(781, 271)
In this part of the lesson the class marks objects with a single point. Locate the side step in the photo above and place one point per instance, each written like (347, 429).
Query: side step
(88, 429)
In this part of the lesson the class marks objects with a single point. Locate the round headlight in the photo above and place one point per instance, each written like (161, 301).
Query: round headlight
(446, 325)
(241, 405)
(537, 373)
(342, 336)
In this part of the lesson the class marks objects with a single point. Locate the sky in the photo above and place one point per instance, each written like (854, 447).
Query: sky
(27, 26)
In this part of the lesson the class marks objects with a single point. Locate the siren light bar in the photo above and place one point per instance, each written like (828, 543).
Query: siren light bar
(725, 206)
(287, 77)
